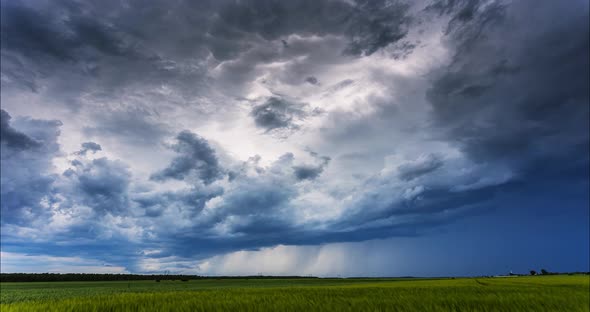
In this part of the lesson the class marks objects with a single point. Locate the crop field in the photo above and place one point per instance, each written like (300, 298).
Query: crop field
(535, 293)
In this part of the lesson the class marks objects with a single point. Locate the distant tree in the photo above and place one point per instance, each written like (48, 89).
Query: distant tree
(544, 272)
(533, 272)
(57, 277)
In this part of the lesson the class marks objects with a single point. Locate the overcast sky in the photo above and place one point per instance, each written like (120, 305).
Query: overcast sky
(337, 137)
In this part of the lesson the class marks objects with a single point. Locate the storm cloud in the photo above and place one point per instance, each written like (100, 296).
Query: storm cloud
(27, 178)
(13, 138)
(89, 147)
(196, 157)
(170, 134)
(276, 113)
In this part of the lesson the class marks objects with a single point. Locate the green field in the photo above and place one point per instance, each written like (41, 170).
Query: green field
(537, 293)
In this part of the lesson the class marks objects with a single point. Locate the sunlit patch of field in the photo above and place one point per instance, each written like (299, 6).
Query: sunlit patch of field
(539, 293)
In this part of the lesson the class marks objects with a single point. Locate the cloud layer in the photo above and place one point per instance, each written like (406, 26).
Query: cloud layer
(162, 136)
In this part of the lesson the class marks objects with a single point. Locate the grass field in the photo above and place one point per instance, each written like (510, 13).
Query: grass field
(538, 293)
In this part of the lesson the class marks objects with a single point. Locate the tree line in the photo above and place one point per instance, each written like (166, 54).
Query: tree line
(81, 277)
(545, 272)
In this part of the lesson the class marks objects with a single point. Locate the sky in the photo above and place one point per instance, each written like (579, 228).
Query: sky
(325, 138)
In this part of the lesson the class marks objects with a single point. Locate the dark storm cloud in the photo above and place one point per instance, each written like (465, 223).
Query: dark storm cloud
(380, 24)
(26, 159)
(115, 51)
(310, 172)
(104, 184)
(104, 59)
(277, 113)
(368, 25)
(29, 187)
(89, 147)
(190, 201)
(37, 32)
(524, 104)
(13, 138)
(259, 206)
(17, 70)
(306, 172)
(431, 191)
(101, 184)
(196, 157)
(311, 80)
(40, 40)
(252, 199)
(256, 197)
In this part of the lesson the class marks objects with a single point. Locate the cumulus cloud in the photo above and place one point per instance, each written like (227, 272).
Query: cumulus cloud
(89, 147)
(310, 172)
(103, 185)
(196, 158)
